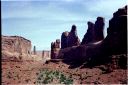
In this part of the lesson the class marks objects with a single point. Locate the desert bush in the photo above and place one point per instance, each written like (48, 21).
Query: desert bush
(52, 77)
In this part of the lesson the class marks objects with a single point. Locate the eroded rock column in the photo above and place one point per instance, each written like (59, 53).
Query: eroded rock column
(98, 29)
(64, 40)
(73, 39)
(89, 36)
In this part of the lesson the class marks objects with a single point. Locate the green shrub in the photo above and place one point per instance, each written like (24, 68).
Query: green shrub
(47, 77)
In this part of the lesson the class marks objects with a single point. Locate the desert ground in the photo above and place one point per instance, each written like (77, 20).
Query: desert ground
(28, 72)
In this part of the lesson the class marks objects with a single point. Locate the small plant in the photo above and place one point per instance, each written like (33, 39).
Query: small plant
(50, 77)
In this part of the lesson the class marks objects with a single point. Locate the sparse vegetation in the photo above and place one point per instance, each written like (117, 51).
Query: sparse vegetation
(46, 77)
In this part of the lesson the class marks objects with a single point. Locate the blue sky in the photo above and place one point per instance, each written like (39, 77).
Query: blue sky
(43, 21)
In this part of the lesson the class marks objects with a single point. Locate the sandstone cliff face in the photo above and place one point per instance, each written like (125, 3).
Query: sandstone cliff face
(15, 46)
(115, 43)
(116, 40)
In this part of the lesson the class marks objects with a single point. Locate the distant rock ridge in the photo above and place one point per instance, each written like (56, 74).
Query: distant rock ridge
(17, 37)
(17, 48)
(16, 44)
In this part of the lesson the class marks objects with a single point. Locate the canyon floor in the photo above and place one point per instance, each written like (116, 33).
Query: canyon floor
(29, 72)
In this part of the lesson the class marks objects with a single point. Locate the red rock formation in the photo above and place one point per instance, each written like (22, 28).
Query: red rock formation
(116, 40)
(98, 52)
(64, 40)
(46, 54)
(89, 36)
(55, 48)
(73, 39)
(98, 29)
(52, 50)
(34, 50)
(57, 44)
(15, 46)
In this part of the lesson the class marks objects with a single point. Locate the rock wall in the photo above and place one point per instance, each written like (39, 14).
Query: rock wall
(96, 53)
(16, 44)
(116, 40)
(15, 47)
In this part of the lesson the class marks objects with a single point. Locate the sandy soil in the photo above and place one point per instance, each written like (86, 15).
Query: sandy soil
(26, 73)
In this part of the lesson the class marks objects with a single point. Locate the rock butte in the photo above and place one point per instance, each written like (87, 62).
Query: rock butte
(94, 47)
(17, 48)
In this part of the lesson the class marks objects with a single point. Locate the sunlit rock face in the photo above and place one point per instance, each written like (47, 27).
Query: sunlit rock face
(16, 44)
(15, 47)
